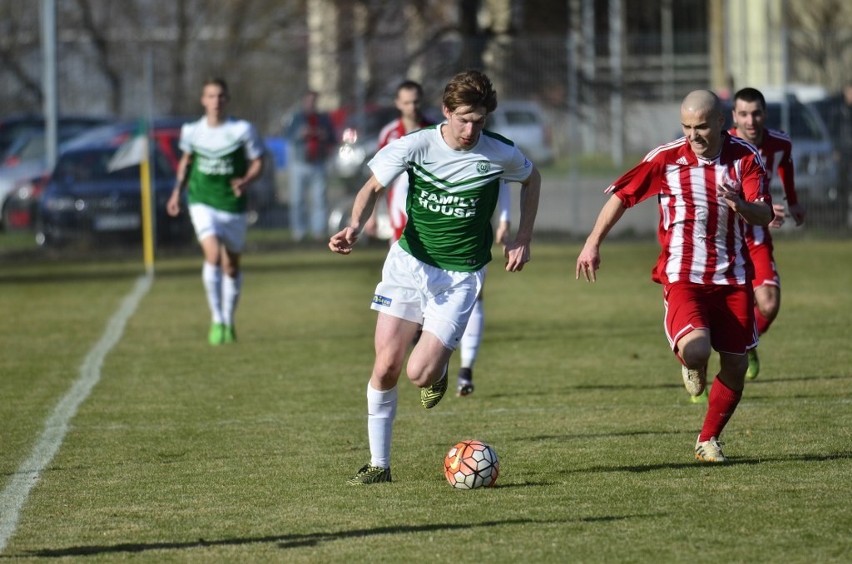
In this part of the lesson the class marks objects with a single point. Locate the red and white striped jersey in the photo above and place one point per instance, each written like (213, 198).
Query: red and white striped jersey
(776, 150)
(396, 129)
(397, 193)
(702, 238)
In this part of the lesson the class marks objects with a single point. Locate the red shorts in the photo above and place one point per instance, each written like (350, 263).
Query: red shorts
(726, 311)
(765, 273)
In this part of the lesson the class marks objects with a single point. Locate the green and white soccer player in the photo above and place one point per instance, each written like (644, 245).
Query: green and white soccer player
(221, 156)
(433, 274)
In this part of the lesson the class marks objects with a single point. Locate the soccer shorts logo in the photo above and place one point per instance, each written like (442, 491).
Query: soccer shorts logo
(381, 300)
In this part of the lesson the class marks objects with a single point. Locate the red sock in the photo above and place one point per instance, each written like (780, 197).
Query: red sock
(721, 405)
(762, 323)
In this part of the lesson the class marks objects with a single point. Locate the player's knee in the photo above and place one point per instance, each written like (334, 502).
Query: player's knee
(386, 369)
(422, 375)
(419, 376)
(696, 352)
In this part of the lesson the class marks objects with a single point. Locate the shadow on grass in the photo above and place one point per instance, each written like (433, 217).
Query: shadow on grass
(661, 386)
(805, 378)
(306, 539)
(606, 435)
(549, 392)
(638, 468)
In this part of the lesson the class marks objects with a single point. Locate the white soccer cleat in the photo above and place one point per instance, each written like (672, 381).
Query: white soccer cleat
(694, 380)
(709, 451)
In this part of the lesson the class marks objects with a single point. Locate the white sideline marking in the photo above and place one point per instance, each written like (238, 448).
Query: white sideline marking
(15, 494)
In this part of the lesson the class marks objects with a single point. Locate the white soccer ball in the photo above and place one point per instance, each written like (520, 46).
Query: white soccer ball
(471, 464)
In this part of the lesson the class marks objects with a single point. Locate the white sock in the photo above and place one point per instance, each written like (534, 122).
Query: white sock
(211, 275)
(469, 346)
(381, 411)
(230, 296)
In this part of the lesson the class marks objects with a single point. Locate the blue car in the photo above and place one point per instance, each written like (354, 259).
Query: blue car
(84, 201)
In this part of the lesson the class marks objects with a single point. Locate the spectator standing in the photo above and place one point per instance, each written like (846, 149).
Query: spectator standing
(841, 128)
(310, 137)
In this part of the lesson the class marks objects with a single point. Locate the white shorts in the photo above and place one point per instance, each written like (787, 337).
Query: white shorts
(229, 227)
(439, 300)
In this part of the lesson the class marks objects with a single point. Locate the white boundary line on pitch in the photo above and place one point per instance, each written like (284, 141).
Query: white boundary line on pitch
(14, 496)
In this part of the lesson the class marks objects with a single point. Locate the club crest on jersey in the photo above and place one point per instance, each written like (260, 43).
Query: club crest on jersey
(482, 167)
(381, 300)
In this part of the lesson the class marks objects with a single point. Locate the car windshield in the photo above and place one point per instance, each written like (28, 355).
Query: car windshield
(10, 133)
(520, 117)
(91, 165)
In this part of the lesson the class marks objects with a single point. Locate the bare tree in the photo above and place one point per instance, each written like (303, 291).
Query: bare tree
(18, 45)
(95, 27)
(820, 41)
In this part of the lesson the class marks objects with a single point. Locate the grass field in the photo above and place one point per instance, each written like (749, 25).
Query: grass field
(185, 452)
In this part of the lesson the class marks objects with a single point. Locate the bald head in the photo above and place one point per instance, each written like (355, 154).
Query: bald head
(701, 101)
(702, 121)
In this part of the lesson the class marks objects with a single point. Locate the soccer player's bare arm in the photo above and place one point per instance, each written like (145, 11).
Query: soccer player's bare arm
(518, 252)
(365, 201)
(786, 171)
(173, 205)
(589, 260)
(240, 184)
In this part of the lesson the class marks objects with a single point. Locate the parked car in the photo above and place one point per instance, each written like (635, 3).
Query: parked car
(524, 123)
(21, 206)
(83, 199)
(22, 145)
(813, 152)
(12, 128)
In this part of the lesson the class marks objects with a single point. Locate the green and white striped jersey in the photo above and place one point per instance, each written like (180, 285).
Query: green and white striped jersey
(451, 194)
(219, 154)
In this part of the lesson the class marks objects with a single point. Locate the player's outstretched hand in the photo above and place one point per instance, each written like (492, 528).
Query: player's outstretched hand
(517, 255)
(588, 263)
(343, 241)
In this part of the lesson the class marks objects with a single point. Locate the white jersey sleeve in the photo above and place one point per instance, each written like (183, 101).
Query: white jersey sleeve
(518, 167)
(253, 143)
(187, 130)
(390, 161)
